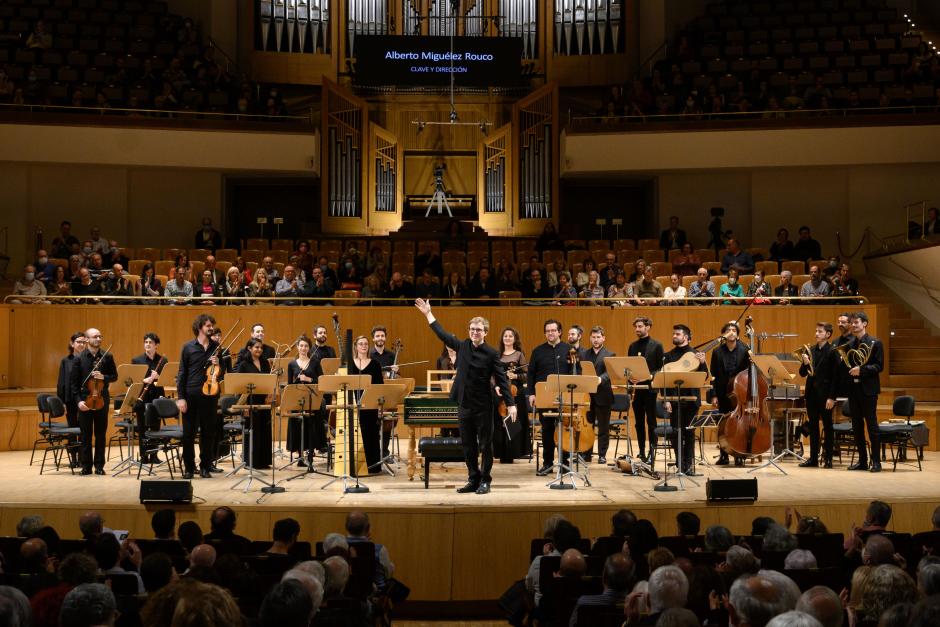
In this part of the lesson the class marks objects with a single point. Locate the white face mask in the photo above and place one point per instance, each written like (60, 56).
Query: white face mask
(43, 260)
(30, 276)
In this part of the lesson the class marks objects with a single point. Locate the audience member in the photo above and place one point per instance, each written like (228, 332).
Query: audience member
(179, 289)
(157, 572)
(786, 289)
(620, 293)
(76, 569)
(782, 248)
(358, 530)
(259, 290)
(110, 553)
(401, 288)
(672, 238)
(190, 535)
(806, 247)
(289, 288)
(288, 604)
(89, 605)
(64, 242)
(668, 588)
(816, 286)
(190, 603)
(675, 292)
(648, 290)
(562, 535)
(687, 262)
(823, 604)
(737, 258)
(756, 599)
(207, 238)
(799, 559)
(731, 289)
(426, 285)
(223, 522)
(29, 289)
(688, 524)
(593, 292)
(549, 239)
(843, 284)
(759, 288)
(702, 287)
(565, 294)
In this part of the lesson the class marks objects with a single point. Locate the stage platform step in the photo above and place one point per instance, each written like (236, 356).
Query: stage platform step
(923, 366)
(914, 341)
(15, 397)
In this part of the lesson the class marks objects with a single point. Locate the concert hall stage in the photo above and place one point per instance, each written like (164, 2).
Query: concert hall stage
(448, 546)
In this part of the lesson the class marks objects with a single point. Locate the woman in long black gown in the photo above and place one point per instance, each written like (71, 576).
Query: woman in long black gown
(517, 443)
(304, 369)
(261, 442)
(368, 418)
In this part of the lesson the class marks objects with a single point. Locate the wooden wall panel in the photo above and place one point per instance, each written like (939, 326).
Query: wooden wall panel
(40, 333)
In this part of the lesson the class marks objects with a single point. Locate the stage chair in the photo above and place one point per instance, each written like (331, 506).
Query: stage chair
(198, 254)
(664, 433)
(899, 436)
(44, 425)
(843, 436)
(166, 439)
(233, 428)
(60, 438)
(620, 426)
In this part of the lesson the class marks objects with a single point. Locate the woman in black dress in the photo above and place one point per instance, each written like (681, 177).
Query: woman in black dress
(304, 370)
(518, 444)
(368, 418)
(261, 444)
(64, 389)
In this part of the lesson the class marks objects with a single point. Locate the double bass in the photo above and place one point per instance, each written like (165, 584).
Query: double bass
(583, 430)
(746, 431)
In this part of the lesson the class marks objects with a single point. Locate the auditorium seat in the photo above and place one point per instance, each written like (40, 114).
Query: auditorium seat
(767, 267)
(252, 254)
(226, 254)
(151, 254)
(795, 267)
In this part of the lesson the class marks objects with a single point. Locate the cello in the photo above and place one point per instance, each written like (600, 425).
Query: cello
(746, 431)
(583, 430)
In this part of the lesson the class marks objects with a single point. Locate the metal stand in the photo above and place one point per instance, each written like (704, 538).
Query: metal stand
(771, 367)
(706, 420)
(676, 381)
(439, 197)
(571, 383)
(343, 389)
(251, 384)
(129, 463)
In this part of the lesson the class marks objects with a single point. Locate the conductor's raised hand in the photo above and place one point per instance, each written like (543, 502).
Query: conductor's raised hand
(423, 306)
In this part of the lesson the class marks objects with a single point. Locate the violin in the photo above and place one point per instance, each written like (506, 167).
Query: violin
(501, 408)
(95, 387)
(746, 431)
(211, 385)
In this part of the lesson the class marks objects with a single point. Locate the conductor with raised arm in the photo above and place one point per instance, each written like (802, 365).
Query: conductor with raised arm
(477, 364)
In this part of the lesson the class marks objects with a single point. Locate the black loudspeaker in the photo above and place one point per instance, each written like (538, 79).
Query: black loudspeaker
(717, 490)
(166, 491)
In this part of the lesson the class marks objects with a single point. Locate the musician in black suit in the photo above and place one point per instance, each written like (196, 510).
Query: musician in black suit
(477, 363)
(601, 401)
(681, 338)
(644, 401)
(197, 410)
(93, 422)
(64, 387)
(864, 387)
(728, 360)
(547, 359)
(819, 389)
(155, 364)
(267, 352)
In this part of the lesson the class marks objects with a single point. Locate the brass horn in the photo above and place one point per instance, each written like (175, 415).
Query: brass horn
(854, 357)
(804, 350)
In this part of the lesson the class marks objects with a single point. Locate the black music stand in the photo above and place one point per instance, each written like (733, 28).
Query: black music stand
(378, 397)
(677, 381)
(252, 383)
(623, 371)
(776, 374)
(557, 385)
(299, 401)
(126, 412)
(342, 384)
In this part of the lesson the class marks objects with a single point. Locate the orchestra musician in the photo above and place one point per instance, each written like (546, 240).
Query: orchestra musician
(681, 336)
(820, 388)
(259, 455)
(864, 387)
(575, 333)
(155, 364)
(320, 350)
(93, 422)
(267, 352)
(644, 401)
(603, 399)
(369, 427)
(727, 361)
(518, 443)
(198, 410)
(546, 359)
(63, 387)
(305, 369)
(225, 365)
(385, 358)
(477, 364)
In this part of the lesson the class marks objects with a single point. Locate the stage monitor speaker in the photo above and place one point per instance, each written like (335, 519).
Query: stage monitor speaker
(166, 491)
(717, 490)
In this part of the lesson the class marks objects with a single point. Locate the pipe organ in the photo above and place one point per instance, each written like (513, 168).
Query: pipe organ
(385, 156)
(344, 118)
(365, 17)
(294, 25)
(536, 130)
(588, 26)
(495, 169)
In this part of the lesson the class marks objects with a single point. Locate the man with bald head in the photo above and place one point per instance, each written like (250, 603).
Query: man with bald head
(87, 373)
(202, 556)
(878, 550)
(619, 577)
(754, 600)
(823, 604)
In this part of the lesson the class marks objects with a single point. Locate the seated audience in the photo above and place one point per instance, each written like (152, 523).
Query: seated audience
(149, 284)
(731, 289)
(29, 289)
(223, 523)
(319, 286)
(759, 288)
(89, 605)
(259, 290)
(45, 269)
(688, 262)
(179, 289)
(737, 258)
(358, 530)
(117, 284)
(561, 536)
(157, 572)
(823, 604)
(232, 288)
(843, 284)
(190, 603)
(593, 292)
(672, 238)
(806, 247)
(782, 248)
(565, 293)
(288, 604)
(557, 268)
(74, 570)
(163, 523)
(110, 554)
(285, 534)
(786, 289)
(816, 286)
(702, 287)
(648, 290)
(549, 239)
(582, 278)
(536, 291)
(675, 292)
(668, 589)
(756, 599)
(401, 288)
(426, 286)
(289, 288)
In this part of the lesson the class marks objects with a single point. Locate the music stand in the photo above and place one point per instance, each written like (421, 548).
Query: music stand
(300, 400)
(377, 397)
(127, 374)
(329, 365)
(622, 372)
(343, 384)
(170, 370)
(557, 385)
(677, 381)
(252, 383)
(281, 372)
(126, 411)
(776, 374)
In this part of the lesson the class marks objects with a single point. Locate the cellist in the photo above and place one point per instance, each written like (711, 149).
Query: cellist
(681, 336)
(90, 377)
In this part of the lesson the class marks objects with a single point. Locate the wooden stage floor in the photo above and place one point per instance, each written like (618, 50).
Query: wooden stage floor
(469, 547)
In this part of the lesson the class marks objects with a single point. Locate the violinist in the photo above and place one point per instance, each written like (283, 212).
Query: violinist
(90, 377)
(601, 401)
(681, 336)
(728, 359)
(518, 443)
(223, 448)
(267, 352)
(155, 364)
(198, 410)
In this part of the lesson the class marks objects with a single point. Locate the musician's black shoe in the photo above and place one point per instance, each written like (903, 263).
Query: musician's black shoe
(99, 471)
(188, 474)
(544, 470)
(214, 468)
(827, 463)
(859, 466)
(722, 460)
(602, 461)
(86, 471)
(468, 488)
(484, 488)
(875, 467)
(810, 463)
(739, 462)
(689, 471)
(205, 474)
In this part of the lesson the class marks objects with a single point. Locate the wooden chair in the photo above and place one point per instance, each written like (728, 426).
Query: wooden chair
(502, 247)
(713, 267)
(135, 266)
(662, 268)
(687, 281)
(598, 243)
(150, 254)
(579, 256)
(280, 269)
(226, 254)
(478, 246)
(163, 266)
(673, 254)
(706, 254)
(510, 297)
(773, 280)
(551, 256)
(800, 279)
(223, 266)
(163, 278)
(763, 253)
(454, 256)
(198, 254)
(282, 244)
(278, 256)
(627, 255)
(382, 244)
(198, 267)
